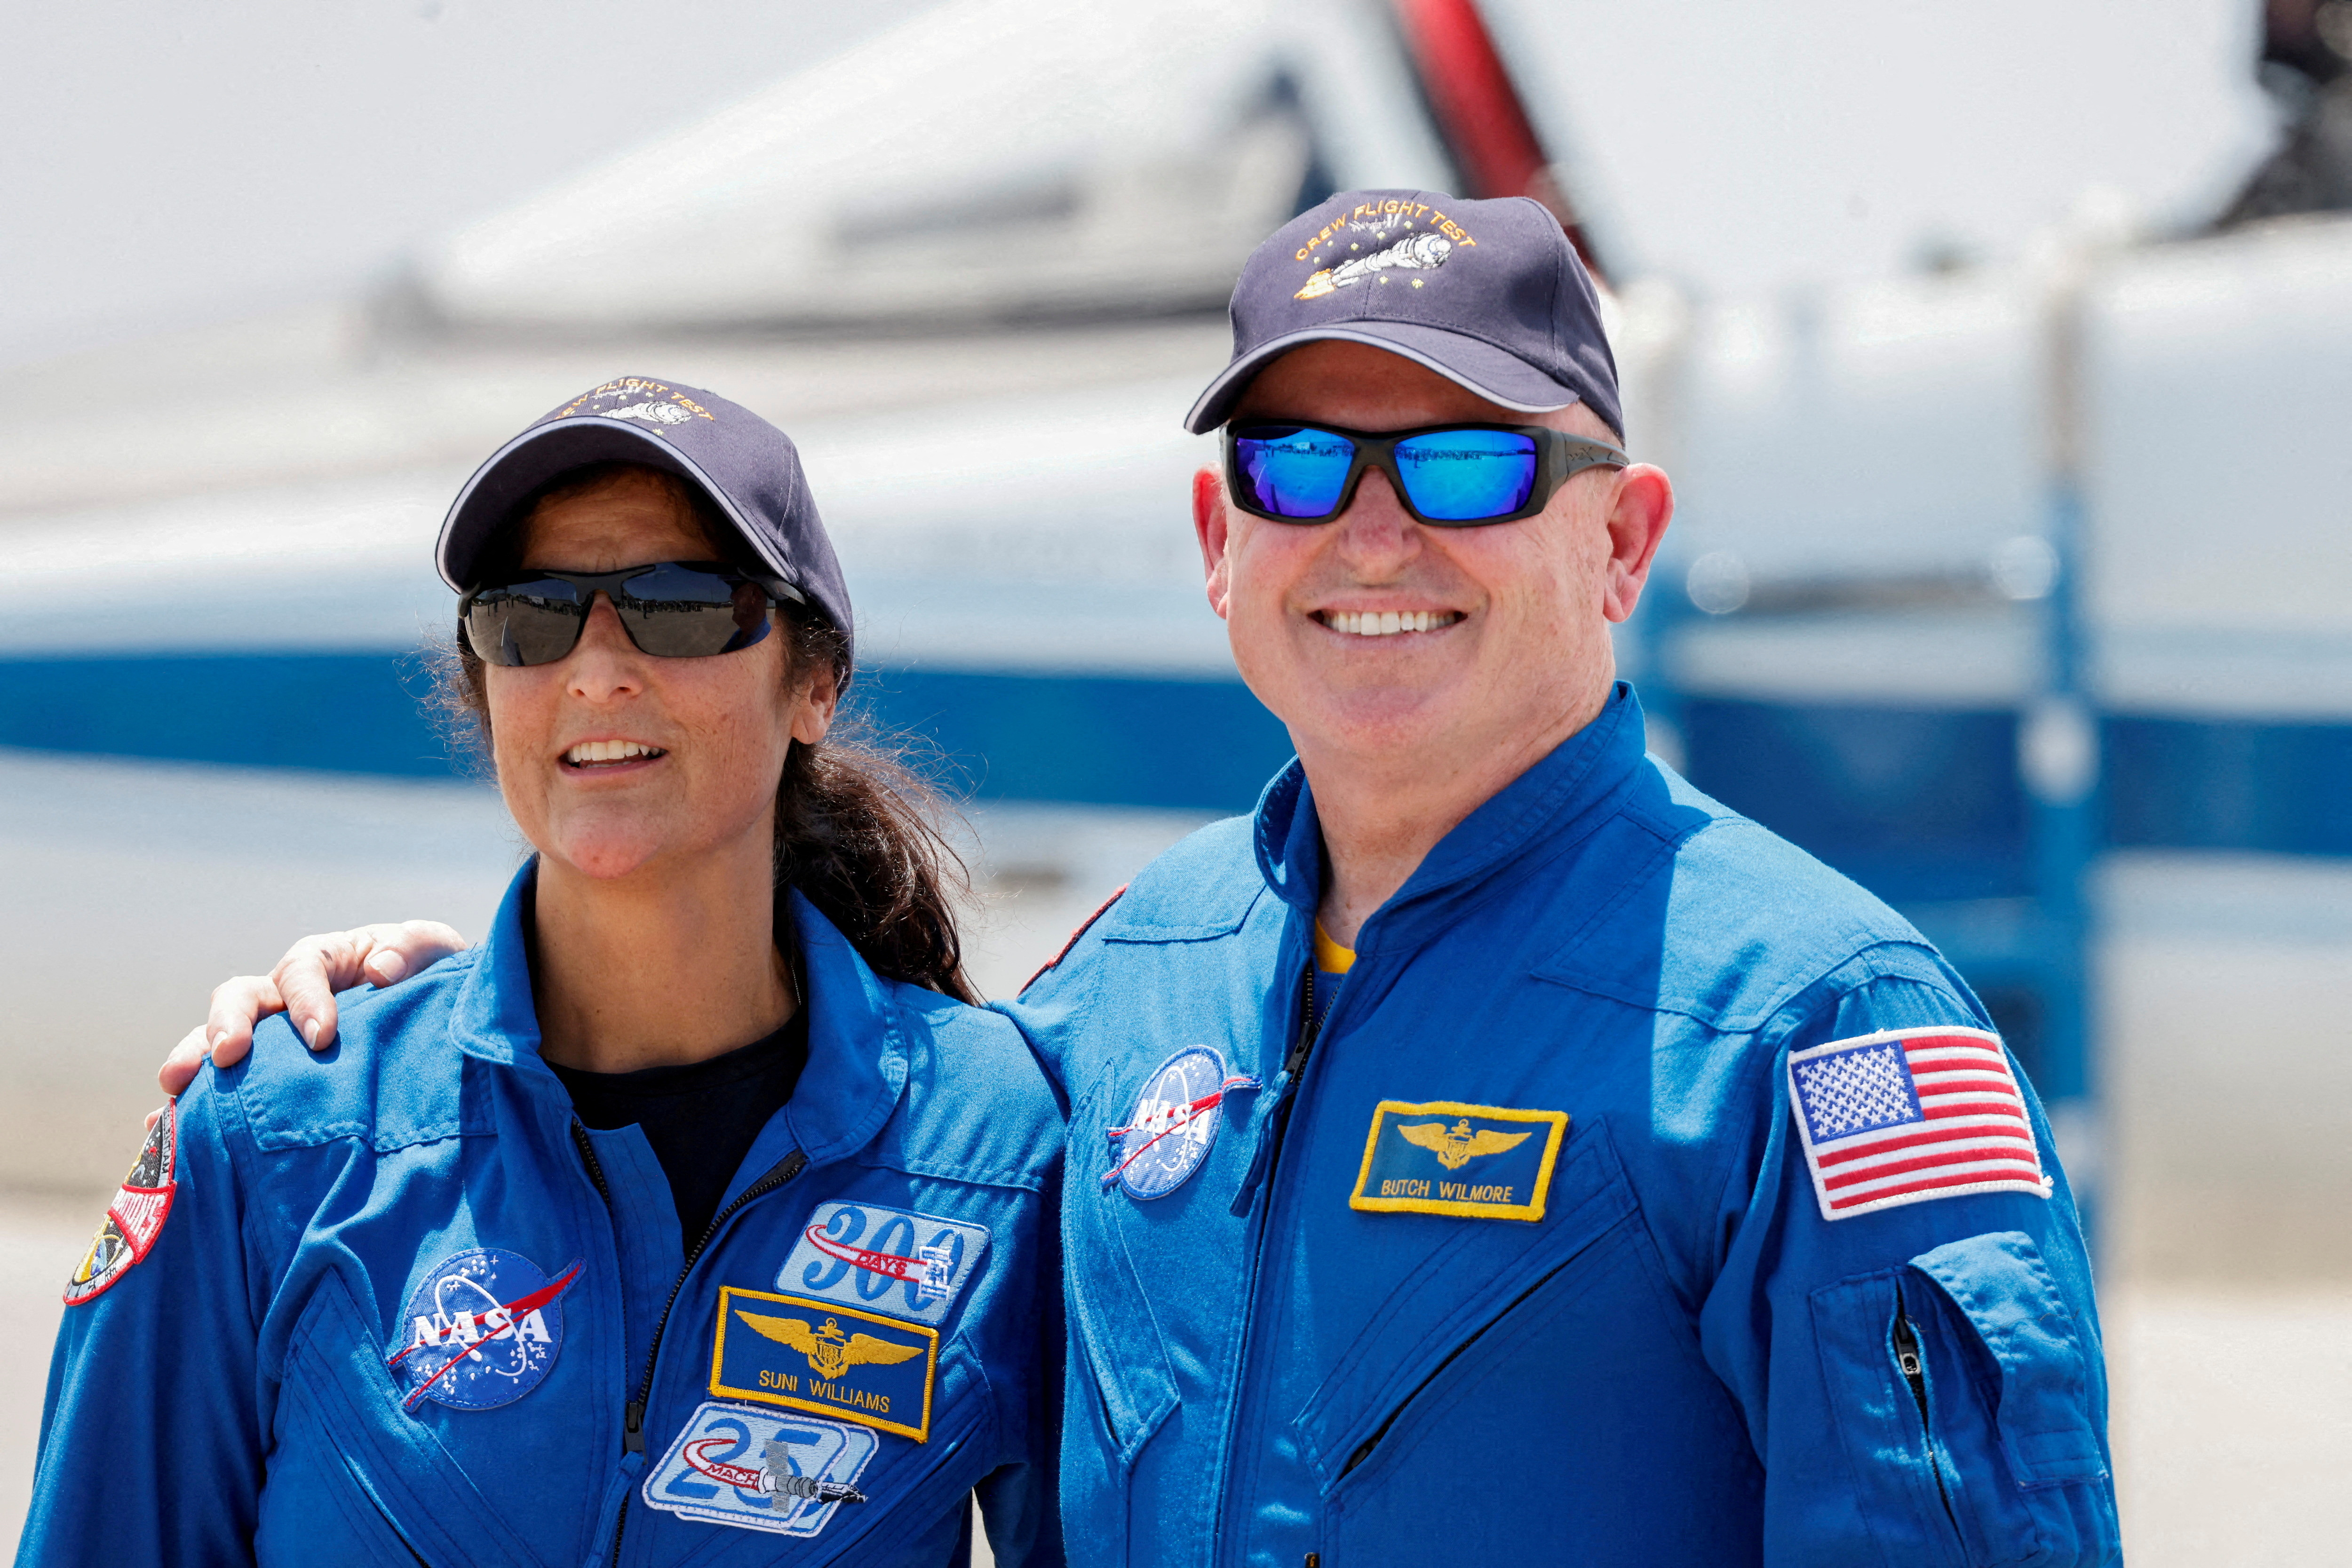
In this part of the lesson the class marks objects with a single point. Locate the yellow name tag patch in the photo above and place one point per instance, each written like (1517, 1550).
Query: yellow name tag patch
(824, 1357)
(1474, 1161)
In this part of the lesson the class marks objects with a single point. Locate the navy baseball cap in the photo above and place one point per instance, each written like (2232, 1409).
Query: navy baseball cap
(1489, 295)
(748, 467)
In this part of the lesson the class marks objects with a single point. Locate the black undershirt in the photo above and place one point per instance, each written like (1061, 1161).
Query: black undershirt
(700, 1118)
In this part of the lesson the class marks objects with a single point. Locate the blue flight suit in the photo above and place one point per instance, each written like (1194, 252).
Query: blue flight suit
(404, 1306)
(1525, 1260)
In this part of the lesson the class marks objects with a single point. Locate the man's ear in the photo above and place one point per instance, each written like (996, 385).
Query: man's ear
(1211, 525)
(1643, 505)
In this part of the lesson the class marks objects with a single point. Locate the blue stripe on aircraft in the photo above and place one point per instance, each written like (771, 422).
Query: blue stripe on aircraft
(1089, 739)
(1917, 805)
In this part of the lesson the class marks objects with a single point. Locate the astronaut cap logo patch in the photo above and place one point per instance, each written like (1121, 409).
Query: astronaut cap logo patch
(1379, 240)
(636, 399)
(135, 1218)
(1908, 1115)
(758, 1469)
(1173, 1124)
(1422, 252)
(485, 1327)
(892, 1260)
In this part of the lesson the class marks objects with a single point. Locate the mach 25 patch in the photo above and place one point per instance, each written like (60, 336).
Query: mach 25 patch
(757, 1470)
(135, 1218)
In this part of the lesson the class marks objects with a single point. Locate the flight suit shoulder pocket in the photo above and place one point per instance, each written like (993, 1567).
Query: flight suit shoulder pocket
(1999, 1283)
(1962, 1396)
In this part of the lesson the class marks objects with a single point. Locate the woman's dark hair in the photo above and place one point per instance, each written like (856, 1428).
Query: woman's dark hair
(857, 828)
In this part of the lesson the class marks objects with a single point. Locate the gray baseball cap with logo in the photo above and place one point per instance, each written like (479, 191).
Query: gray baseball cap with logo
(1488, 294)
(749, 469)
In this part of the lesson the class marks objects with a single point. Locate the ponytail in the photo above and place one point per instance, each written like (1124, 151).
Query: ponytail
(857, 834)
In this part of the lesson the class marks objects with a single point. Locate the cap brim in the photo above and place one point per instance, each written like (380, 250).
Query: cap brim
(545, 452)
(1495, 374)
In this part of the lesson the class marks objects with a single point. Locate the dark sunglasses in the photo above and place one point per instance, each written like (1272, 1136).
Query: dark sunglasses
(1449, 476)
(671, 609)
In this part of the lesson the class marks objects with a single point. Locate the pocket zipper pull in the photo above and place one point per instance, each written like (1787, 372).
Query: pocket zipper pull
(1906, 1347)
(1907, 1357)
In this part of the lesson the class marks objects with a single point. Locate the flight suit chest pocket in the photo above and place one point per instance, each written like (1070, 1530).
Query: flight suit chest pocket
(1969, 1400)
(336, 1369)
(1125, 1358)
(1451, 1310)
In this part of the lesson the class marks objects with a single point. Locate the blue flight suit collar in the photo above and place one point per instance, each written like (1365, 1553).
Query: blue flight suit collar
(858, 1049)
(1558, 800)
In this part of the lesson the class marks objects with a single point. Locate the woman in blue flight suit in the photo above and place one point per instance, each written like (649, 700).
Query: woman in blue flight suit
(553, 1268)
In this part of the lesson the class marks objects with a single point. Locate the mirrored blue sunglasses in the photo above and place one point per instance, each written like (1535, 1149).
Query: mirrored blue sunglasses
(1448, 476)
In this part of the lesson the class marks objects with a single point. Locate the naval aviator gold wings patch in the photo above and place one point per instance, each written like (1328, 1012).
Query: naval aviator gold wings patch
(819, 1355)
(1473, 1162)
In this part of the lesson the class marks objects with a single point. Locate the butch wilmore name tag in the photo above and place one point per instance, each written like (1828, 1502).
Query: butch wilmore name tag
(1474, 1161)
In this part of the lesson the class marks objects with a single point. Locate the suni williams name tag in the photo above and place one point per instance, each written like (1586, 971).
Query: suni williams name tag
(813, 1355)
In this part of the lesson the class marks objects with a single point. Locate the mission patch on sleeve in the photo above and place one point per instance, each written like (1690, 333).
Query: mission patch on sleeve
(135, 1218)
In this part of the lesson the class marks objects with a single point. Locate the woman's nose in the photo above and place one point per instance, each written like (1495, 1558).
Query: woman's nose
(606, 664)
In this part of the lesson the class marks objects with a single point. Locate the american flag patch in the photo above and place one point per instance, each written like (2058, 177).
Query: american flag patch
(1907, 1115)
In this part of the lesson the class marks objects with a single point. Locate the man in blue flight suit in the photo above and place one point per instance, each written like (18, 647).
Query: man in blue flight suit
(1499, 1150)
(1492, 1148)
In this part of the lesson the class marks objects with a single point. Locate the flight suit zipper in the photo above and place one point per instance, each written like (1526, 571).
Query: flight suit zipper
(633, 1429)
(1261, 1166)
(1261, 1173)
(1914, 1367)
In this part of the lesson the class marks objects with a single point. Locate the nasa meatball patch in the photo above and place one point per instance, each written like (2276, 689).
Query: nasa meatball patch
(135, 1218)
(1173, 1125)
(485, 1327)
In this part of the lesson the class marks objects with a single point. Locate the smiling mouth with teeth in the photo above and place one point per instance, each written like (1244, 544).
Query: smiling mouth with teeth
(1386, 623)
(603, 753)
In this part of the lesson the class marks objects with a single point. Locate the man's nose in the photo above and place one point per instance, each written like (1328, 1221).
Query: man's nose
(1377, 535)
(606, 664)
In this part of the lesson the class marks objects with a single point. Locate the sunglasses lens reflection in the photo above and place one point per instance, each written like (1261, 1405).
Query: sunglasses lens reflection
(535, 621)
(1292, 471)
(1467, 476)
(675, 612)
(670, 611)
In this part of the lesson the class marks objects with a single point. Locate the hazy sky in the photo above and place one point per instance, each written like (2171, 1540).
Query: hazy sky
(1741, 146)
(171, 160)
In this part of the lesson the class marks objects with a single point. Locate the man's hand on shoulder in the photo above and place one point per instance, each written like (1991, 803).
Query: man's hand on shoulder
(303, 986)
